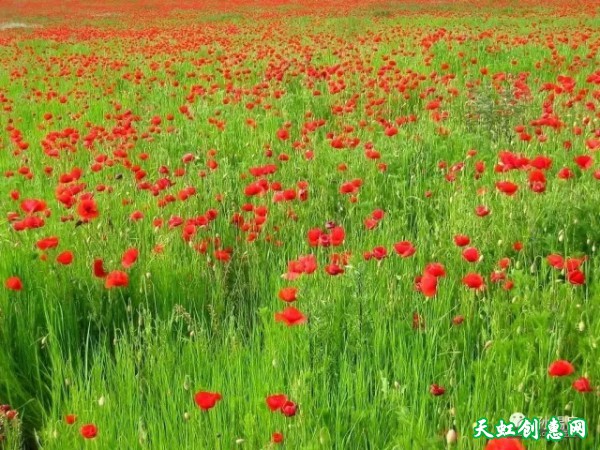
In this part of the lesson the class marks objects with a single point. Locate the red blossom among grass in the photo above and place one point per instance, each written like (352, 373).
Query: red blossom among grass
(89, 431)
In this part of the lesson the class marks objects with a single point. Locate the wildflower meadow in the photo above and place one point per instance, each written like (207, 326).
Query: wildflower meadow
(261, 224)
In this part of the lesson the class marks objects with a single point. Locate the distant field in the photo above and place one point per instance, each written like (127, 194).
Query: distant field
(308, 225)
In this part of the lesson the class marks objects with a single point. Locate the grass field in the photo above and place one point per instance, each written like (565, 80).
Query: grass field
(314, 225)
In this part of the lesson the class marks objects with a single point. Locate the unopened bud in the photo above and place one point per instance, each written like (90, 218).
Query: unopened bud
(451, 437)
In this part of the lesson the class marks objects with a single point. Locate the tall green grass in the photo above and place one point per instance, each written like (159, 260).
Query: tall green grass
(130, 360)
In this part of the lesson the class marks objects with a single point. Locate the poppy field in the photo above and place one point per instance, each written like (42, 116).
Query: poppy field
(305, 225)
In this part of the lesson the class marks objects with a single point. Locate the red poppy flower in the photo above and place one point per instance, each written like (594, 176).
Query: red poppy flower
(461, 240)
(337, 236)
(584, 161)
(565, 173)
(290, 316)
(47, 243)
(474, 281)
(283, 134)
(505, 444)
(223, 255)
(65, 258)
(504, 263)
(428, 285)
(482, 211)
(334, 269)
(576, 277)
(572, 264)
(379, 253)
(537, 181)
(87, 209)
(496, 277)
(470, 254)
(435, 269)
(277, 438)
(70, 419)
(391, 131)
(378, 214)
(561, 368)
(582, 385)
(206, 400)
(405, 249)
(32, 206)
(129, 258)
(314, 236)
(99, 268)
(276, 401)
(116, 278)
(436, 390)
(541, 163)
(89, 431)
(288, 294)
(371, 223)
(289, 409)
(507, 187)
(556, 261)
(14, 284)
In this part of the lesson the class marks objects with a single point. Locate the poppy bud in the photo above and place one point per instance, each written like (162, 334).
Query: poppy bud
(70, 419)
(451, 437)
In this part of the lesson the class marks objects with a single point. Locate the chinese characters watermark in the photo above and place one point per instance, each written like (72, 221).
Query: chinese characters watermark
(554, 429)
